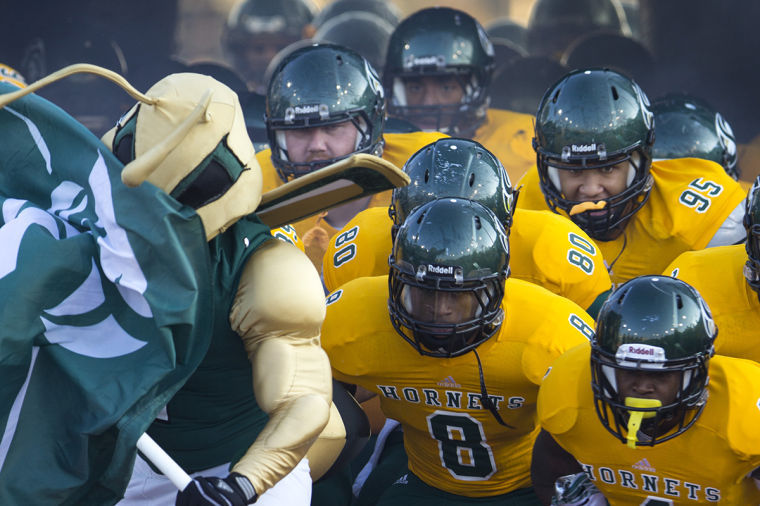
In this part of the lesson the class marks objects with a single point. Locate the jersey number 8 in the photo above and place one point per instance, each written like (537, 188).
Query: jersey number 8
(462, 445)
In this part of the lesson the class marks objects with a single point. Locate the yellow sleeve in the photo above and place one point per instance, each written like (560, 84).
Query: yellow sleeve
(562, 325)
(361, 248)
(509, 136)
(531, 196)
(558, 399)
(718, 275)
(269, 175)
(400, 147)
(355, 313)
(742, 378)
(555, 253)
(691, 199)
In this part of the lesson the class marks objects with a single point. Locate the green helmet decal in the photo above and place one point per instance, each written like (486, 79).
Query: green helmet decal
(688, 127)
(448, 248)
(453, 167)
(592, 119)
(319, 85)
(652, 325)
(436, 42)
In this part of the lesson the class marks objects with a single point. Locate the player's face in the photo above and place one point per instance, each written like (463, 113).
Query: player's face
(593, 184)
(254, 55)
(660, 385)
(429, 90)
(321, 143)
(434, 306)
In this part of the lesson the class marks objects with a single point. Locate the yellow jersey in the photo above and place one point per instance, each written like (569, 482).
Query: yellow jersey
(452, 442)
(718, 275)
(315, 231)
(288, 233)
(688, 203)
(545, 249)
(509, 136)
(709, 462)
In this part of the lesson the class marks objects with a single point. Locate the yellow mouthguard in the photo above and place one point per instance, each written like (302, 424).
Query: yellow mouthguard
(587, 206)
(635, 417)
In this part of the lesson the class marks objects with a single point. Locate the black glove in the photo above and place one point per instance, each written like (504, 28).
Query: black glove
(234, 490)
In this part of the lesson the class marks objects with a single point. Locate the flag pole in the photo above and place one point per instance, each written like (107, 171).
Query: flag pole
(156, 455)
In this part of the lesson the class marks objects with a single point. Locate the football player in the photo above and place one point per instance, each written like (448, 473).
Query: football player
(459, 361)
(633, 416)
(729, 279)
(553, 25)
(594, 136)
(688, 127)
(257, 29)
(324, 103)
(546, 249)
(438, 69)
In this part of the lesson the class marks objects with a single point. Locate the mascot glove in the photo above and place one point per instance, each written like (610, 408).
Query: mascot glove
(234, 490)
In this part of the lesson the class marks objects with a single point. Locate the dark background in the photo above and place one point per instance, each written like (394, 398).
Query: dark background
(705, 47)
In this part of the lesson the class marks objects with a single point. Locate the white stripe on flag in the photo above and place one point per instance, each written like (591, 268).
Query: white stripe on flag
(105, 339)
(10, 427)
(37, 136)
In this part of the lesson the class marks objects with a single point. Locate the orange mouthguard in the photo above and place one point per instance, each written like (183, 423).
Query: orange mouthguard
(587, 206)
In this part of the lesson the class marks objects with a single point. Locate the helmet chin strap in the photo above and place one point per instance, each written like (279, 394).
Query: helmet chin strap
(485, 400)
(635, 417)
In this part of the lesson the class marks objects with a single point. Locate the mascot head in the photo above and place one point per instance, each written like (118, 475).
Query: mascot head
(187, 136)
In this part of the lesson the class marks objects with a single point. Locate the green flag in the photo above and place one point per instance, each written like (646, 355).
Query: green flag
(103, 291)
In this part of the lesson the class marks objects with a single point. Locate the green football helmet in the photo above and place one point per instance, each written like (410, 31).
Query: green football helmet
(554, 24)
(361, 31)
(651, 324)
(319, 85)
(257, 29)
(752, 225)
(438, 42)
(452, 167)
(448, 266)
(380, 9)
(688, 127)
(592, 119)
(507, 28)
